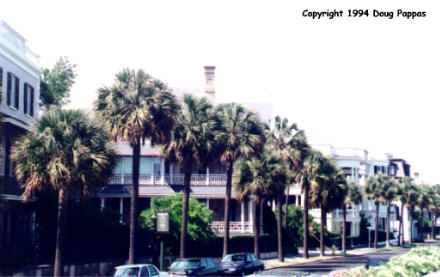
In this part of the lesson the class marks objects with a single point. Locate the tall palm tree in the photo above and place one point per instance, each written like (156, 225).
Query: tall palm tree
(423, 198)
(402, 196)
(193, 141)
(328, 192)
(137, 107)
(409, 199)
(434, 206)
(67, 152)
(353, 197)
(244, 137)
(261, 178)
(389, 193)
(291, 144)
(373, 191)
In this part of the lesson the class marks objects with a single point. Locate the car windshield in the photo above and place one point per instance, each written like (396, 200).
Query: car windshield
(234, 258)
(127, 272)
(185, 264)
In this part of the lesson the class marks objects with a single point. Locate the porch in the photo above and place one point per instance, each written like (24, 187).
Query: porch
(169, 179)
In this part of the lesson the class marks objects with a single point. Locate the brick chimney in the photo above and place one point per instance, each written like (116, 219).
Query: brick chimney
(209, 80)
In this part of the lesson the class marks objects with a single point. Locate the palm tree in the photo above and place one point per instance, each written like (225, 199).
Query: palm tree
(409, 199)
(353, 197)
(402, 196)
(244, 137)
(193, 141)
(434, 207)
(389, 193)
(291, 144)
(373, 191)
(68, 152)
(261, 178)
(328, 191)
(135, 108)
(423, 198)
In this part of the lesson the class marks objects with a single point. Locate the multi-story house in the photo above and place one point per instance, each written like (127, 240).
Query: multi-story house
(19, 87)
(159, 178)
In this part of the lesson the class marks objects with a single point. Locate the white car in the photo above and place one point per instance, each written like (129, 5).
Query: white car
(138, 270)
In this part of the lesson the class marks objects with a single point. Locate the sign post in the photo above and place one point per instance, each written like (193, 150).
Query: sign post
(162, 227)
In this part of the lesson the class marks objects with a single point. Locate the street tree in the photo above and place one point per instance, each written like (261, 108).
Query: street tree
(352, 198)
(68, 152)
(389, 193)
(373, 191)
(193, 141)
(135, 108)
(243, 137)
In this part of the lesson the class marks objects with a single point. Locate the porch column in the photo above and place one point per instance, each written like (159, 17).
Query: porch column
(162, 171)
(207, 203)
(250, 211)
(302, 200)
(102, 203)
(352, 173)
(207, 175)
(297, 200)
(242, 216)
(121, 209)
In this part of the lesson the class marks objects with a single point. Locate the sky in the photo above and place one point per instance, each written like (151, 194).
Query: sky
(364, 82)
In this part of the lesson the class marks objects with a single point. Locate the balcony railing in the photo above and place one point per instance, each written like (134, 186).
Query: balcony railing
(235, 227)
(169, 179)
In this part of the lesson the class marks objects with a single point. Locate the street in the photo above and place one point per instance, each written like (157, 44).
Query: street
(323, 267)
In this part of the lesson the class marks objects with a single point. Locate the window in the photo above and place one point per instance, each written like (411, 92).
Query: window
(153, 271)
(13, 90)
(28, 99)
(144, 272)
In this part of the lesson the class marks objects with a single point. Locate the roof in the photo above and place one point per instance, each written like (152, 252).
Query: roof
(132, 265)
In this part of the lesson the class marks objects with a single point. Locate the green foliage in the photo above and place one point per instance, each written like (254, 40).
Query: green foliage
(199, 218)
(55, 83)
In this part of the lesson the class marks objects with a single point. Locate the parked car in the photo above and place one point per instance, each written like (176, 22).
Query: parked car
(241, 264)
(194, 267)
(138, 270)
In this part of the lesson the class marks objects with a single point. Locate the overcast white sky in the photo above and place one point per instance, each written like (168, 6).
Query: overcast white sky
(368, 83)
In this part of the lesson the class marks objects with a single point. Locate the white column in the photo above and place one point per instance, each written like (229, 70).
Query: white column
(102, 203)
(297, 200)
(162, 171)
(207, 175)
(242, 216)
(302, 200)
(250, 211)
(121, 209)
(352, 173)
(207, 203)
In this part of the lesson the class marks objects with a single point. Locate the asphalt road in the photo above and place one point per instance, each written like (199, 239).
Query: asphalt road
(324, 267)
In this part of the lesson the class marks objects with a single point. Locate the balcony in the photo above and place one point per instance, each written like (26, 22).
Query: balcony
(169, 179)
(235, 227)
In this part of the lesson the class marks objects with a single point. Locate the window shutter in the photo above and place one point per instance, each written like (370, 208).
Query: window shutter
(17, 93)
(8, 89)
(25, 98)
(32, 102)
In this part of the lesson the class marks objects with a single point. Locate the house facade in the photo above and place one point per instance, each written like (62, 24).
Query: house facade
(19, 87)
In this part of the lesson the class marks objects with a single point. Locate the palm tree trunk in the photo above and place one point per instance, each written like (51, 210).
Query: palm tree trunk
(61, 232)
(421, 214)
(280, 230)
(401, 237)
(388, 224)
(132, 253)
(227, 207)
(306, 221)
(344, 229)
(257, 228)
(410, 226)
(185, 204)
(377, 225)
(321, 233)
(433, 226)
(286, 209)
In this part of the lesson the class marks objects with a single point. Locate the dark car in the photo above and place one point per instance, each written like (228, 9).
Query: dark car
(241, 264)
(194, 267)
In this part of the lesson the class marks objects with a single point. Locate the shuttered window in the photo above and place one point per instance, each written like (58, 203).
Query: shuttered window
(17, 93)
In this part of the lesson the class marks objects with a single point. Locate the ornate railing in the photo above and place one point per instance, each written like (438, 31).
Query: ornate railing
(170, 179)
(234, 227)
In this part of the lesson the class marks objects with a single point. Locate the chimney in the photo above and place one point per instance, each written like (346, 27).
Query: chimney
(209, 79)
